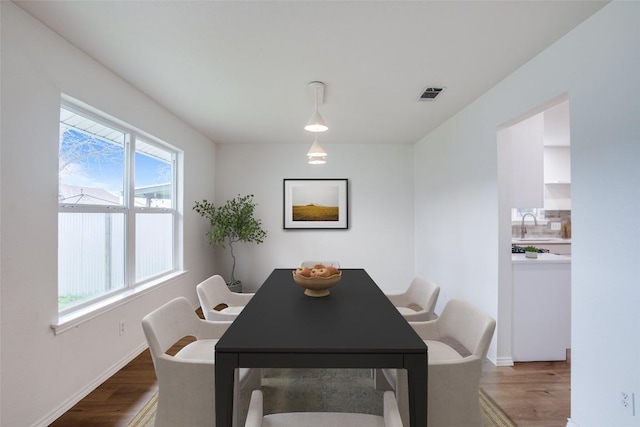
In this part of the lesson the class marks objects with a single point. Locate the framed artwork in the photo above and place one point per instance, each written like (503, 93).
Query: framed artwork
(316, 204)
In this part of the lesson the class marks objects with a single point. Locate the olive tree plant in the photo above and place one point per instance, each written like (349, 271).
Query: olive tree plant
(230, 223)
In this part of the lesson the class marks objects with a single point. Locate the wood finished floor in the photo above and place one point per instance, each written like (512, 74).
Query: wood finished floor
(116, 401)
(532, 394)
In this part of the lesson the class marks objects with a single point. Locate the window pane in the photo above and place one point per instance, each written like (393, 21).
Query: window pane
(154, 244)
(90, 256)
(518, 213)
(91, 162)
(153, 176)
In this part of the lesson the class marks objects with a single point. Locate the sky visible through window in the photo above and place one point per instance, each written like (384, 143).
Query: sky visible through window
(88, 161)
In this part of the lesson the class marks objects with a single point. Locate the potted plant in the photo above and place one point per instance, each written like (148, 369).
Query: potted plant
(531, 252)
(230, 223)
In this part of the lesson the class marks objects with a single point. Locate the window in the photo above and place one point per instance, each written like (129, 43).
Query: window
(518, 213)
(117, 214)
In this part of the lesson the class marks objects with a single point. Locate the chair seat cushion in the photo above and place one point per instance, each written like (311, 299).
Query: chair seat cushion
(232, 309)
(412, 309)
(198, 350)
(205, 350)
(439, 351)
(323, 419)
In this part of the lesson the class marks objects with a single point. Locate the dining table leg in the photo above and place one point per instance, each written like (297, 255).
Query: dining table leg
(224, 375)
(417, 373)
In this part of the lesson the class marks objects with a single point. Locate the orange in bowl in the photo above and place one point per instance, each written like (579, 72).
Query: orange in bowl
(317, 281)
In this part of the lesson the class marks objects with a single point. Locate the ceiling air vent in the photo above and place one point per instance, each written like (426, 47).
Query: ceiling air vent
(430, 93)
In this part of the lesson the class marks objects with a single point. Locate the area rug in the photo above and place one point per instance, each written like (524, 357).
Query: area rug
(322, 390)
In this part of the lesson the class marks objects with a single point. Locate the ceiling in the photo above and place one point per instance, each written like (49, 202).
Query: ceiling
(238, 71)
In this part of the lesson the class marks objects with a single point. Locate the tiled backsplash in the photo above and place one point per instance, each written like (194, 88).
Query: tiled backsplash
(561, 218)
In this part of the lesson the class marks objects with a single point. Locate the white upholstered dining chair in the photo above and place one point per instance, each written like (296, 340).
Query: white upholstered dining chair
(418, 302)
(186, 380)
(457, 341)
(256, 417)
(218, 302)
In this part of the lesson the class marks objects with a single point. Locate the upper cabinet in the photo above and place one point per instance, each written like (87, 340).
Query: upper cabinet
(539, 148)
(526, 143)
(557, 165)
(557, 158)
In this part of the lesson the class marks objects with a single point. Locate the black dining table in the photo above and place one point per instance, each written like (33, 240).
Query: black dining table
(355, 326)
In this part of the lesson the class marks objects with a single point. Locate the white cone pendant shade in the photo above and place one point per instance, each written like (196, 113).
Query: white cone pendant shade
(316, 154)
(316, 123)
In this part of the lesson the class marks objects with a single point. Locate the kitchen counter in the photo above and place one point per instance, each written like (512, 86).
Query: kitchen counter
(541, 307)
(540, 240)
(554, 245)
(543, 258)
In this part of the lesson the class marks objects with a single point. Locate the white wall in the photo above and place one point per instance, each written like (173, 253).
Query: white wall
(455, 209)
(460, 240)
(459, 208)
(43, 374)
(380, 234)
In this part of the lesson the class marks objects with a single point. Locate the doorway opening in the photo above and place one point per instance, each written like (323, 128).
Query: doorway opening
(534, 176)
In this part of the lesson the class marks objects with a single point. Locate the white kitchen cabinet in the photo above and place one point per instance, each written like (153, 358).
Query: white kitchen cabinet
(557, 197)
(539, 148)
(541, 308)
(526, 143)
(557, 158)
(557, 165)
(557, 178)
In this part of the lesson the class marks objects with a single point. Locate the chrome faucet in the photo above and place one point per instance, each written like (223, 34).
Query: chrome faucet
(523, 229)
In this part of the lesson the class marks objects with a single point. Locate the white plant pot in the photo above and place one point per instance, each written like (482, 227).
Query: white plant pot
(531, 254)
(235, 287)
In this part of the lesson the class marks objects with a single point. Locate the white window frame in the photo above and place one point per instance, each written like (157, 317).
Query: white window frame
(516, 217)
(72, 316)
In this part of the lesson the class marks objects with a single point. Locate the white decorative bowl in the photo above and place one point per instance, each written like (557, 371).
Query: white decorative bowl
(317, 286)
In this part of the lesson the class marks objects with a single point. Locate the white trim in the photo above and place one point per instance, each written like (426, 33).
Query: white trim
(504, 361)
(571, 423)
(80, 316)
(81, 394)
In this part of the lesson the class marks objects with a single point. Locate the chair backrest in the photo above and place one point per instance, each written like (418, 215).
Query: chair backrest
(211, 292)
(167, 324)
(426, 292)
(311, 263)
(468, 325)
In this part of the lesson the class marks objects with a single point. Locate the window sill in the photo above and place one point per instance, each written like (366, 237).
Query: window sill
(84, 314)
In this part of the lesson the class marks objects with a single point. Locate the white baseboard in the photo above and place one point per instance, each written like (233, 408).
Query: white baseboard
(503, 361)
(81, 394)
(571, 423)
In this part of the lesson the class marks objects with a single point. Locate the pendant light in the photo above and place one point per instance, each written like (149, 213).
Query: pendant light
(316, 154)
(317, 123)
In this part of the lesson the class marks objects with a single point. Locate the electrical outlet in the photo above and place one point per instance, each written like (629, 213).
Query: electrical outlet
(627, 401)
(556, 226)
(121, 327)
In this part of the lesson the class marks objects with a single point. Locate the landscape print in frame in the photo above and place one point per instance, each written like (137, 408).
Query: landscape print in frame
(316, 204)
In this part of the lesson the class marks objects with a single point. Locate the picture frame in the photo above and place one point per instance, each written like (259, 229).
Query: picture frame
(316, 203)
